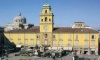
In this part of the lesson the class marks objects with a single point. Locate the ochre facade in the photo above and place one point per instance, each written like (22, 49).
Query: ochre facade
(82, 40)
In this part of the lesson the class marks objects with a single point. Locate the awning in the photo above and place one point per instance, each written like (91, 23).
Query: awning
(18, 45)
(85, 49)
(92, 49)
(64, 48)
(67, 48)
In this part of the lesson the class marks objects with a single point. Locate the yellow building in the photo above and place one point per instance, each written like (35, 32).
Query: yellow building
(80, 39)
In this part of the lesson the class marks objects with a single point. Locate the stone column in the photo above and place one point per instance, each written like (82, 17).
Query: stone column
(89, 51)
(78, 52)
(82, 51)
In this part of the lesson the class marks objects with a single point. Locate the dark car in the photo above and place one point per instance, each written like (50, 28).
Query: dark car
(58, 54)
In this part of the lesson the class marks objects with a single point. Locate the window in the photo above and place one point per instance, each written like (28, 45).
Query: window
(92, 43)
(76, 36)
(69, 36)
(18, 35)
(37, 36)
(26, 42)
(60, 42)
(86, 36)
(26, 36)
(10, 36)
(45, 19)
(45, 11)
(32, 42)
(69, 42)
(60, 36)
(49, 20)
(45, 35)
(86, 43)
(19, 41)
(76, 43)
(37, 42)
(93, 36)
(32, 36)
(41, 20)
(54, 42)
(53, 36)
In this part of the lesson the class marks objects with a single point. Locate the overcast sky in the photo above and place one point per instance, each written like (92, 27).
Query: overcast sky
(66, 12)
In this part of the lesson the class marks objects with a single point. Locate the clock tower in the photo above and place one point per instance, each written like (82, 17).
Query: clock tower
(46, 19)
(46, 24)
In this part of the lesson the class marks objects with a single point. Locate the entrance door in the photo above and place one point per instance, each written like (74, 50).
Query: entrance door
(85, 52)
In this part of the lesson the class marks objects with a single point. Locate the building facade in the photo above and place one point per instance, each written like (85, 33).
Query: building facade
(82, 40)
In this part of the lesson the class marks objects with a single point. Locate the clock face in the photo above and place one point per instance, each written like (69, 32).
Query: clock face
(45, 27)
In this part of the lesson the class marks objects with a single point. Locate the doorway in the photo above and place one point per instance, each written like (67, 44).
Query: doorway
(85, 52)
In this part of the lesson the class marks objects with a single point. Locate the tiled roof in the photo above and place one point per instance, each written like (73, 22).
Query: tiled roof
(36, 29)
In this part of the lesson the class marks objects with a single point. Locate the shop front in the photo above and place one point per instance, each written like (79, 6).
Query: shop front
(85, 50)
(92, 50)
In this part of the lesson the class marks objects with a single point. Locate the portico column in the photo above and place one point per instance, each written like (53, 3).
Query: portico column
(89, 51)
(96, 51)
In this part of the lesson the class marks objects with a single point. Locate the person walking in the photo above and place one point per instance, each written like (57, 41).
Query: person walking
(53, 56)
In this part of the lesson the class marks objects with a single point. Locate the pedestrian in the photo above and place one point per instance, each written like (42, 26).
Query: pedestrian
(53, 56)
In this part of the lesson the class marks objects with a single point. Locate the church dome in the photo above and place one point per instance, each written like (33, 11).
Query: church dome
(19, 19)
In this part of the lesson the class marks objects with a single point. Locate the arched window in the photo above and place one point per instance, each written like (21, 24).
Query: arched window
(19, 20)
(93, 36)
(49, 20)
(45, 11)
(41, 20)
(45, 19)
(16, 20)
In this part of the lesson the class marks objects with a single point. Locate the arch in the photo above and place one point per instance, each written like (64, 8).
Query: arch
(45, 11)
(41, 20)
(49, 20)
(15, 20)
(45, 19)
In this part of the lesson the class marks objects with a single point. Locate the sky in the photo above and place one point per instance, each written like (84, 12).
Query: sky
(66, 12)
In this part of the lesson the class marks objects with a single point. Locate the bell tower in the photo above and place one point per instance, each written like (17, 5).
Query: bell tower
(46, 19)
(46, 25)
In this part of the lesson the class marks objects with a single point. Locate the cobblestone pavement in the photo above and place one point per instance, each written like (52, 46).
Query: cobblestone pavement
(69, 57)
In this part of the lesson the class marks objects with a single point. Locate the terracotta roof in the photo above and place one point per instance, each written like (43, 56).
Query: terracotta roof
(36, 29)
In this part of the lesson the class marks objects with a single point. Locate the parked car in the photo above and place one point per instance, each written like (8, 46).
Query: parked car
(26, 52)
